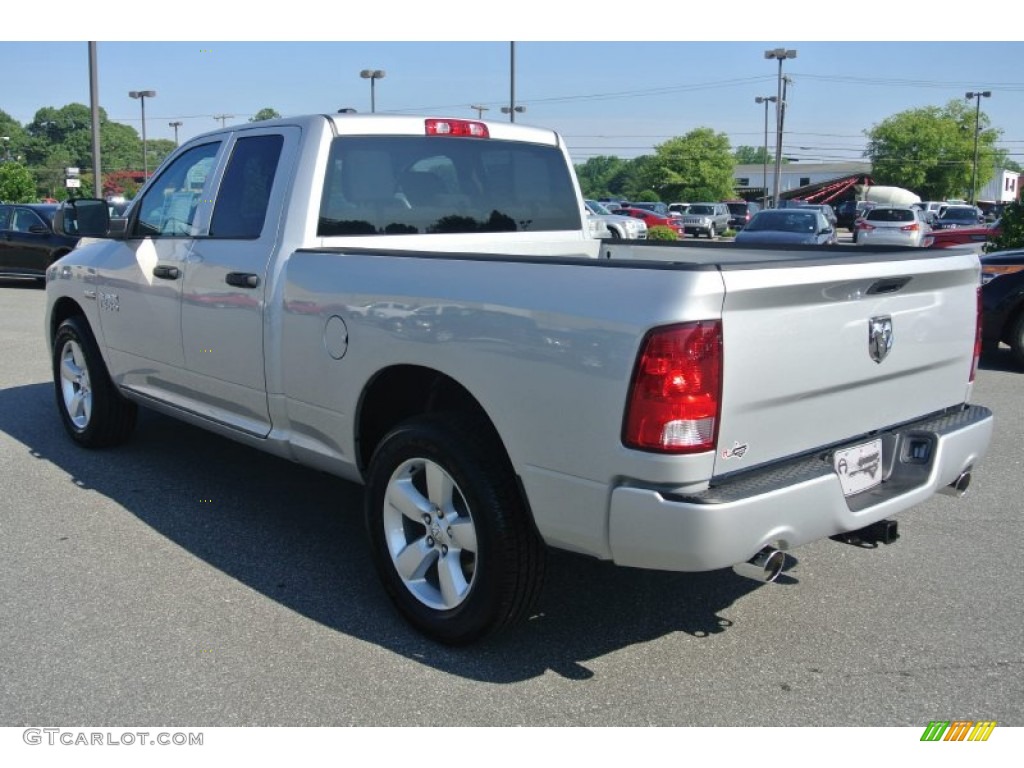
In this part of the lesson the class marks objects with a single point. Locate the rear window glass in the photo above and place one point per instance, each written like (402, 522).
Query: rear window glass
(890, 214)
(407, 185)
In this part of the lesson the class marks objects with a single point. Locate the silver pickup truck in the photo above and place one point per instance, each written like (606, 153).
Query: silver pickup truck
(415, 304)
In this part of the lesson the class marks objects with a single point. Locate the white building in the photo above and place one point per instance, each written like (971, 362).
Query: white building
(1004, 187)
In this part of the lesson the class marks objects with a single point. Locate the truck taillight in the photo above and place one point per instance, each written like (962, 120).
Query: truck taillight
(977, 338)
(435, 127)
(675, 398)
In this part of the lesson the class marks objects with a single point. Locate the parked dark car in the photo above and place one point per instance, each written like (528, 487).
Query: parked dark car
(954, 216)
(1002, 301)
(742, 212)
(28, 244)
(788, 226)
(846, 214)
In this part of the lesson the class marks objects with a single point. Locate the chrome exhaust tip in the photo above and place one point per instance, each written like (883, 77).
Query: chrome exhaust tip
(959, 486)
(765, 566)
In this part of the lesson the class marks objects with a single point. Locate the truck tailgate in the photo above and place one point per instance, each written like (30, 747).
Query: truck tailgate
(800, 368)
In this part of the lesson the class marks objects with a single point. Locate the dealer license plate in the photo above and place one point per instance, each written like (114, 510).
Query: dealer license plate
(860, 467)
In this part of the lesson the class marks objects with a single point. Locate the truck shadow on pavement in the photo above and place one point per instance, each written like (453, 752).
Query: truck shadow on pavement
(1000, 359)
(296, 536)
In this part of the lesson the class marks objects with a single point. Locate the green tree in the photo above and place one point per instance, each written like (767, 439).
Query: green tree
(931, 150)
(13, 147)
(598, 176)
(746, 155)
(267, 113)
(16, 183)
(638, 180)
(1012, 225)
(697, 166)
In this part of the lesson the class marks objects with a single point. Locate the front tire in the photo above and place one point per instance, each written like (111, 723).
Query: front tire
(449, 533)
(91, 409)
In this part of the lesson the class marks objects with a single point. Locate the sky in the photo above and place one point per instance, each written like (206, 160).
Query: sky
(605, 97)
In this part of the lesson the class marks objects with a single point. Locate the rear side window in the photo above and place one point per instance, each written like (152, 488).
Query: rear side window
(399, 185)
(242, 201)
(890, 214)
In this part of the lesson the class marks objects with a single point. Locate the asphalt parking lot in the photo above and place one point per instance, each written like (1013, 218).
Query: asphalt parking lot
(183, 579)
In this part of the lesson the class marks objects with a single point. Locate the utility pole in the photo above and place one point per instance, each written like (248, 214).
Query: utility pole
(781, 54)
(176, 124)
(94, 105)
(223, 119)
(978, 96)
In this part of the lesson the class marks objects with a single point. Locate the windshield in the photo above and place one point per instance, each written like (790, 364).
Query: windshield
(959, 214)
(597, 208)
(700, 210)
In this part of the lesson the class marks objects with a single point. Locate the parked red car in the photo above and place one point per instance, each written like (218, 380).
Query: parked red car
(654, 220)
(944, 238)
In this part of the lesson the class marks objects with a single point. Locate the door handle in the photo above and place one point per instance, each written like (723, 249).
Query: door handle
(166, 273)
(242, 279)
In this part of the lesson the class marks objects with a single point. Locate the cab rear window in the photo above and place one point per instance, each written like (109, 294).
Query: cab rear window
(407, 185)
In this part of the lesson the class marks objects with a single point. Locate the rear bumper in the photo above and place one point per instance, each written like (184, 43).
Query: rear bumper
(791, 503)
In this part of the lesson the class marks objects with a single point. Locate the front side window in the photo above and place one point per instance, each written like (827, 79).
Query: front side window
(24, 219)
(168, 208)
(398, 185)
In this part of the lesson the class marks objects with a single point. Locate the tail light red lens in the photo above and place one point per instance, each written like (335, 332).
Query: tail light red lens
(909, 228)
(977, 339)
(675, 398)
(861, 224)
(435, 127)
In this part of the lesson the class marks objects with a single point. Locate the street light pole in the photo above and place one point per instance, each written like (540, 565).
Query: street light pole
(373, 75)
(764, 157)
(511, 111)
(142, 96)
(977, 95)
(781, 54)
(175, 124)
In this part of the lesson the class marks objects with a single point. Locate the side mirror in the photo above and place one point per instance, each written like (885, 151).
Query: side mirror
(83, 218)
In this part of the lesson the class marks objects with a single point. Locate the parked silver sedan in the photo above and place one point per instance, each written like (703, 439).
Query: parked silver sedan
(892, 225)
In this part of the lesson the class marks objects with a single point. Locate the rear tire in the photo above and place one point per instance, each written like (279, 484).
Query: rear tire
(450, 535)
(91, 409)
(1016, 339)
